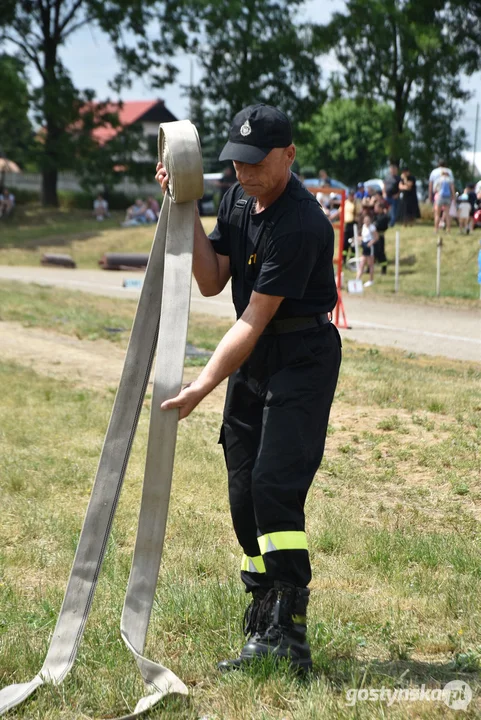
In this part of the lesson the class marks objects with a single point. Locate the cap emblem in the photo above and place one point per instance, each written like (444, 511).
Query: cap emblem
(246, 129)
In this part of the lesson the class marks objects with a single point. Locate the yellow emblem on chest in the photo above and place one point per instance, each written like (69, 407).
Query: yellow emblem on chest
(252, 259)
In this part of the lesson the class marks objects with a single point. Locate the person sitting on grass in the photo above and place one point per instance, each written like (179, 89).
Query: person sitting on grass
(135, 214)
(7, 203)
(101, 208)
(369, 236)
(153, 209)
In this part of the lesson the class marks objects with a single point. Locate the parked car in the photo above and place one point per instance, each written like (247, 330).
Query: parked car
(375, 183)
(316, 183)
(378, 185)
(209, 203)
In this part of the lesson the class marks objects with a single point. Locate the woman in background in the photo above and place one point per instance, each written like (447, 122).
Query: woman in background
(409, 206)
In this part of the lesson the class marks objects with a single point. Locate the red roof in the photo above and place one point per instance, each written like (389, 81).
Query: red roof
(128, 113)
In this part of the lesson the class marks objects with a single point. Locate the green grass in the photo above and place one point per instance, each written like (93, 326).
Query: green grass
(24, 239)
(394, 544)
(35, 231)
(33, 226)
(90, 317)
(458, 264)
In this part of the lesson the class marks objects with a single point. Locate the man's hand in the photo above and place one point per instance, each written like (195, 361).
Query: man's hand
(188, 398)
(234, 349)
(162, 177)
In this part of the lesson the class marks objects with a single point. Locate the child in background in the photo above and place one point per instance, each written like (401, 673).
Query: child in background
(464, 212)
(369, 237)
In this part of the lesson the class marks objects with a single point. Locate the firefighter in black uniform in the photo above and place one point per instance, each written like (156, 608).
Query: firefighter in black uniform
(282, 357)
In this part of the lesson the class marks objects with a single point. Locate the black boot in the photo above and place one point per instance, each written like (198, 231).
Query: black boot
(281, 630)
(250, 623)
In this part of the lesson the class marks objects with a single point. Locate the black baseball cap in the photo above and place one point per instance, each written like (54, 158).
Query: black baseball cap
(255, 131)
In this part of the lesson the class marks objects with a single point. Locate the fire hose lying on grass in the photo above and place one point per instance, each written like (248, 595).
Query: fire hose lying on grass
(161, 319)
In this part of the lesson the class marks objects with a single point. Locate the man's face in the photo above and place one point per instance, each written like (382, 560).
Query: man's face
(259, 179)
(394, 169)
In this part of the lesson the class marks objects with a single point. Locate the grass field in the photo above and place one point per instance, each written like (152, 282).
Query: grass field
(23, 241)
(393, 523)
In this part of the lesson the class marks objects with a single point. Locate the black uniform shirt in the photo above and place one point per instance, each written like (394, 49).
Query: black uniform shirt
(294, 260)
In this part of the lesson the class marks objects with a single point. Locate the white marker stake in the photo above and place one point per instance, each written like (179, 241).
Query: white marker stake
(438, 266)
(356, 245)
(396, 263)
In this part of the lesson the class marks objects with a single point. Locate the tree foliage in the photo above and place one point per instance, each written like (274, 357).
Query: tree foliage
(346, 138)
(408, 54)
(250, 51)
(138, 31)
(16, 135)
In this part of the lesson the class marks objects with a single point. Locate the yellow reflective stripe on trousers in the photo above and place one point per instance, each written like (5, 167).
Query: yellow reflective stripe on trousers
(253, 564)
(288, 540)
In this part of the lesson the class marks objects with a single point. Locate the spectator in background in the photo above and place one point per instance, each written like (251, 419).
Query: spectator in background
(153, 209)
(444, 194)
(435, 175)
(369, 237)
(408, 200)
(369, 200)
(324, 179)
(464, 211)
(471, 193)
(381, 223)
(360, 192)
(391, 192)
(135, 214)
(100, 208)
(349, 220)
(7, 203)
(334, 207)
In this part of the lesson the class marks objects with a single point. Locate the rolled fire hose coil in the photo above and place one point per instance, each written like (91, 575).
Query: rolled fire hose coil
(161, 319)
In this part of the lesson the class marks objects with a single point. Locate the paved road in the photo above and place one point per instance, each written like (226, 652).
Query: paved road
(446, 331)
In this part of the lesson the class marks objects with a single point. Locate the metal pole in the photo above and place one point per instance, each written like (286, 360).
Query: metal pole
(356, 246)
(475, 138)
(438, 266)
(396, 262)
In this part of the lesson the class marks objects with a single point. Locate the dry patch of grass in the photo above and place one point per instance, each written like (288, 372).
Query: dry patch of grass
(393, 522)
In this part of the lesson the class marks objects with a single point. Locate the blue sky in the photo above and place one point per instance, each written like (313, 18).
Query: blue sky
(92, 63)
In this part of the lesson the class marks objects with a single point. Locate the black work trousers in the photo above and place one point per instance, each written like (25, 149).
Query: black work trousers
(274, 430)
(380, 253)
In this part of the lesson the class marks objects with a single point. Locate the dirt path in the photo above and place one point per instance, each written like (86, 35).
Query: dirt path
(93, 364)
(419, 328)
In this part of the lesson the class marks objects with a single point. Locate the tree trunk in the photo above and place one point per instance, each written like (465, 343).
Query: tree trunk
(396, 144)
(49, 187)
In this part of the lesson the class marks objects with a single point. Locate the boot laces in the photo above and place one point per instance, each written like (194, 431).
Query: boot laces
(250, 617)
(256, 609)
(264, 615)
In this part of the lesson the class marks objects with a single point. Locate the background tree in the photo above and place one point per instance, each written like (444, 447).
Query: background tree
(347, 138)
(38, 29)
(250, 51)
(16, 133)
(408, 54)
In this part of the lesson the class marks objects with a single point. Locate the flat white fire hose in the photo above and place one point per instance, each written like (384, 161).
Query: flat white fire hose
(162, 313)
